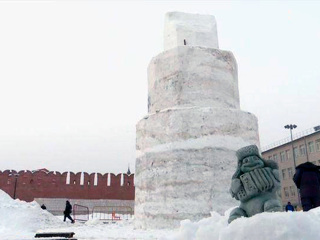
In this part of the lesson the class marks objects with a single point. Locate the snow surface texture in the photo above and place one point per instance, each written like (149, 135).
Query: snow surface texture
(196, 29)
(264, 226)
(186, 145)
(188, 76)
(21, 220)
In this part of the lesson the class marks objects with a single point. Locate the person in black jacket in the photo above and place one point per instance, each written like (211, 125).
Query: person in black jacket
(67, 212)
(307, 179)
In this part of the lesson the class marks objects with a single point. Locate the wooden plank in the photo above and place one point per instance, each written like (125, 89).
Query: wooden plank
(54, 234)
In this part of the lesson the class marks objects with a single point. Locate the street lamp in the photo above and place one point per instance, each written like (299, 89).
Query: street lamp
(16, 175)
(291, 127)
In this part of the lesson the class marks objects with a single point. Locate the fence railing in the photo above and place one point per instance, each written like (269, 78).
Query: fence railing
(107, 213)
(80, 213)
(288, 139)
(112, 213)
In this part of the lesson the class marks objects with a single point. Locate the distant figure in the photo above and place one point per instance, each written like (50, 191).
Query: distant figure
(67, 212)
(43, 207)
(289, 207)
(307, 179)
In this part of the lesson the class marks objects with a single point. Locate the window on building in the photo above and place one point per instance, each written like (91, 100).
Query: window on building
(292, 191)
(302, 150)
(275, 157)
(314, 162)
(270, 157)
(286, 192)
(283, 173)
(288, 154)
(311, 147)
(296, 152)
(318, 145)
(290, 173)
(282, 156)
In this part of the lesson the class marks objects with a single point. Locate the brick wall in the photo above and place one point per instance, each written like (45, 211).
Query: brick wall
(67, 185)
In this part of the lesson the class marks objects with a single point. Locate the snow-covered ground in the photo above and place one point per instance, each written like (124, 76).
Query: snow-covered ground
(21, 220)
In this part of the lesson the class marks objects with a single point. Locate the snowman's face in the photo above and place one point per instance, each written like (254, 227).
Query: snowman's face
(250, 163)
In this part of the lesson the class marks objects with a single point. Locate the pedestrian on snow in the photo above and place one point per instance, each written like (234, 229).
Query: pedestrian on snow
(67, 212)
(307, 179)
(289, 207)
(43, 207)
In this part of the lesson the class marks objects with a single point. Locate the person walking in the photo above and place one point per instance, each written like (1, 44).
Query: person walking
(289, 207)
(307, 179)
(67, 212)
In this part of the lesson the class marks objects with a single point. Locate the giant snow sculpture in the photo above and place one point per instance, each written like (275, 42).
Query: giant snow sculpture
(186, 144)
(256, 183)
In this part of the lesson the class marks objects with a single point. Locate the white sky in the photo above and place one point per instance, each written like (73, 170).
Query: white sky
(73, 75)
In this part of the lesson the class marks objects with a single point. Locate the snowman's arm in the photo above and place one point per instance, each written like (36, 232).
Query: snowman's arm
(235, 187)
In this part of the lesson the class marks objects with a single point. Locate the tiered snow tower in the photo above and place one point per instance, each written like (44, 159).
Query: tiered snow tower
(186, 144)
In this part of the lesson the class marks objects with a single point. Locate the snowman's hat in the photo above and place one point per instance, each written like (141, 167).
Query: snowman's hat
(251, 150)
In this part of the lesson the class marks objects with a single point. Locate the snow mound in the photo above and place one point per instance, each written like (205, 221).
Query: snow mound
(264, 226)
(22, 217)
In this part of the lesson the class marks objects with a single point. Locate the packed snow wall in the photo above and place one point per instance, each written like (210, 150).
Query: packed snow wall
(186, 144)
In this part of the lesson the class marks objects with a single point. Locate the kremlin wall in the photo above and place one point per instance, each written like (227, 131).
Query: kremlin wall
(52, 187)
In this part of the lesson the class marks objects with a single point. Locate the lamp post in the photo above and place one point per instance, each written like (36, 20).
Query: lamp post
(16, 175)
(291, 127)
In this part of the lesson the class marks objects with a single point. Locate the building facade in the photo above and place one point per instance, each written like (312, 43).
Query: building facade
(305, 147)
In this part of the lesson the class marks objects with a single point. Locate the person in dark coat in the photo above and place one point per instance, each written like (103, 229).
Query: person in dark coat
(43, 207)
(67, 212)
(307, 179)
(289, 207)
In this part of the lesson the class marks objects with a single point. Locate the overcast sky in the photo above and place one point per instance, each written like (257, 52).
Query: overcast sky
(73, 74)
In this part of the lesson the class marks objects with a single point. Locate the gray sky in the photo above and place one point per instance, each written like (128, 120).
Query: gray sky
(73, 75)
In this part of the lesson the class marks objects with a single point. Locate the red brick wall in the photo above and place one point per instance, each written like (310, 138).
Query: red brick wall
(54, 185)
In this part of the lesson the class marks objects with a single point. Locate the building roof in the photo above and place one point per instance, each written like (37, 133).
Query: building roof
(295, 137)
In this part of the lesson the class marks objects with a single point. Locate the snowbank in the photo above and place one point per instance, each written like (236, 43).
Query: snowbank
(22, 219)
(265, 226)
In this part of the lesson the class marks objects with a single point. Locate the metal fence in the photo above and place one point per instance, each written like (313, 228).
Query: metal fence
(80, 213)
(112, 213)
(294, 137)
(107, 213)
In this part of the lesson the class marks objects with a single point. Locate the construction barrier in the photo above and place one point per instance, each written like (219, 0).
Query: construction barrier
(112, 213)
(80, 213)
